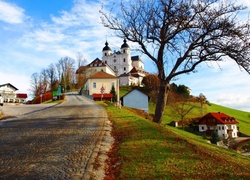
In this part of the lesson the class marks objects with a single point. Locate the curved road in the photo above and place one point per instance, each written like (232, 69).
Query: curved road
(50, 142)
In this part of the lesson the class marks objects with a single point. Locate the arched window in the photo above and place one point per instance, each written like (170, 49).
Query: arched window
(124, 60)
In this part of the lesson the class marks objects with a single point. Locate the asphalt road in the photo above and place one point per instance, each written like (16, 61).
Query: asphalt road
(50, 141)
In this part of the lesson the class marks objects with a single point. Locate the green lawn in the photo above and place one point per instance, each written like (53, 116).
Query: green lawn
(147, 150)
(241, 116)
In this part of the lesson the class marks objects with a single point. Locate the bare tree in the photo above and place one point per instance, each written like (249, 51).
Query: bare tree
(44, 80)
(52, 78)
(80, 60)
(182, 107)
(35, 84)
(80, 77)
(66, 71)
(178, 35)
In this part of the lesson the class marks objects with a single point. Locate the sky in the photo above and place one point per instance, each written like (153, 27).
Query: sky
(36, 33)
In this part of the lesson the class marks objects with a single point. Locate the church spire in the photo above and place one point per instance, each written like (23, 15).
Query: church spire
(106, 48)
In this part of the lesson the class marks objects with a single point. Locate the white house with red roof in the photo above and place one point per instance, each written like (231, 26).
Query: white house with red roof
(9, 94)
(95, 66)
(99, 85)
(223, 124)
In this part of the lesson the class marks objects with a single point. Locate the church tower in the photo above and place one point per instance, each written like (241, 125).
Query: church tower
(106, 51)
(119, 61)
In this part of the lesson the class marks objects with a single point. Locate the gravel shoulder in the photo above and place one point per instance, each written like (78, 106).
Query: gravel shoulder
(55, 141)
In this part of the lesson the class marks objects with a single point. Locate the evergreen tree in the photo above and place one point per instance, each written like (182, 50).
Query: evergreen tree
(215, 138)
(112, 91)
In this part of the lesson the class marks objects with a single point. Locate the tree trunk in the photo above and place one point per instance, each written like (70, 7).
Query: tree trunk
(161, 102)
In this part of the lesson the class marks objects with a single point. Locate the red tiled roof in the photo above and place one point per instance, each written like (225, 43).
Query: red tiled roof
(96, 63)
(81, 69)
(21, 96)
(220, 117)
(102, 75)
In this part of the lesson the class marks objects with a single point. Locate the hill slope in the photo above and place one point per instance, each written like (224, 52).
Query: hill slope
(146, 150)
(241, 116)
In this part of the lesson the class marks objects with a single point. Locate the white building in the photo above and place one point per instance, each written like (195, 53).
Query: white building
(123, 63)
(136, 99)
(9, 94)
(223, 124)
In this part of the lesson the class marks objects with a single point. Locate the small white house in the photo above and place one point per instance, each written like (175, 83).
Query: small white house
(136, 99)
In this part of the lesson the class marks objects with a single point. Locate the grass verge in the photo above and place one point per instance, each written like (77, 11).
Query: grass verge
(145, 150)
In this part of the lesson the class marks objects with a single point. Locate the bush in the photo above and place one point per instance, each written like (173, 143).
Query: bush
(215, 138)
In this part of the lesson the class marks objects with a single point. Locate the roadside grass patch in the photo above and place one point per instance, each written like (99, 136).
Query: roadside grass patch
(147, 150)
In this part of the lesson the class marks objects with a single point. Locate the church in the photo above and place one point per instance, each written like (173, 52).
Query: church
(129, 69)
(121, 61)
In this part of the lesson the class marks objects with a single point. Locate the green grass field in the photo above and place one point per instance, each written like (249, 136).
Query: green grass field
(147, 150)
(242, 117)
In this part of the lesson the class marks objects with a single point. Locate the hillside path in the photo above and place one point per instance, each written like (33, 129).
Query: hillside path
(54, 141)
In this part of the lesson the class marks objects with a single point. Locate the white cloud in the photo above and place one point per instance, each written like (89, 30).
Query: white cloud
(228, 86)
(10, 13)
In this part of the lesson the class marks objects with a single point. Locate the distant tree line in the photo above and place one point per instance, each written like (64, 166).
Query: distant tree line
(61, 73)
(152, 84)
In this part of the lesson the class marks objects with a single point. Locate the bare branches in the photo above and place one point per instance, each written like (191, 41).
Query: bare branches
(183, 33)
(189, 31)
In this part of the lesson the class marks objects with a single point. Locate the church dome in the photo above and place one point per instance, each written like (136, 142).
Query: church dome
(106, 48)
(125, 45)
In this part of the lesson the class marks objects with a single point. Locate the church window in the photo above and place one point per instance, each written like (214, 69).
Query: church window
(105, 54)
(124, 68)
(114, 67)
(114, 60)
(105, 62)
(124, 51)
(124, 60)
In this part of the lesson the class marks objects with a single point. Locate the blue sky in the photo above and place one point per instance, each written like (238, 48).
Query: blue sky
(36, 33)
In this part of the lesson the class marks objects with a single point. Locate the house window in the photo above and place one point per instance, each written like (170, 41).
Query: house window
(222, 127)
(219, 127)
(94, 85)
(202, 127)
